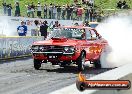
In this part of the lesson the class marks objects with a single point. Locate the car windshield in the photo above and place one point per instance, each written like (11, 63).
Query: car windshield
(67, 33)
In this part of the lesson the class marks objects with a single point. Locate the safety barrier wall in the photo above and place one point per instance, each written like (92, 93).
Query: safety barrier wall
(12, 47)
(121, 73)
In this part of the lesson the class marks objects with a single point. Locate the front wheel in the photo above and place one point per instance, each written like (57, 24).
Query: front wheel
(37, 64)
(81, 62)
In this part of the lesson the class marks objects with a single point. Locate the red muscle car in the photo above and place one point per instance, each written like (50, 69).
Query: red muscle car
(69, 44)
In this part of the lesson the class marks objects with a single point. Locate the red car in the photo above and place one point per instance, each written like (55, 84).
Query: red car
(69, 44)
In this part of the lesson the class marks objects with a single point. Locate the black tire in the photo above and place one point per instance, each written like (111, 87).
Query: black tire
(97, 64)
(81, 61)
(37, 64)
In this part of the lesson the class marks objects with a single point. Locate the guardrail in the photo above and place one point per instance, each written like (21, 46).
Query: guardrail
(13, 47)
(121, 73)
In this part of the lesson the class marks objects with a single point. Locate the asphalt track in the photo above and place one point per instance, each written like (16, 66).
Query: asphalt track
(19, 77)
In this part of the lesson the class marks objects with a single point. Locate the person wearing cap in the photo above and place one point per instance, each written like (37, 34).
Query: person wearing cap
(22, 29)
(39, 10)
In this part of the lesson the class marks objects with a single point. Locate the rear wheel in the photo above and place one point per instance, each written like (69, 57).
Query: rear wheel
(37, 64)
(97, 64)
(81, 62)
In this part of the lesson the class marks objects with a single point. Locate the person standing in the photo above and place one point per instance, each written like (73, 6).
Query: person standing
(32, 10)
(68, 12)
(63, 12)
(45, 11)
(17, 10)
(86, 14)
(79, 13)
(9, 8)
(28, 10)
(51, 11)
(4, 8)
(22, 29)
(58, 12)
(39, 9)
(43, 29)
(54, 12)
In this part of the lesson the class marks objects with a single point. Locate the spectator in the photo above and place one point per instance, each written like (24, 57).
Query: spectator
(91, 14)
(9, 8)
(43, 29)
(37, 28)
(17, 10)
(71, 11)
(56, 24)
(79, 13)
(74, 13)
(22, 29)
(63, 12)
(32, 10)
(94, 16)
(58, 12)
(28, 10)
(54, 12)
(39, 9)
(50, 11)
(45, 11)
(4, 8)
(68, 11)
(119, 4)
(86, 11)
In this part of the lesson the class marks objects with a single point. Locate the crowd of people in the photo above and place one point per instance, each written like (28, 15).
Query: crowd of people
(41, 28)
(76, 11)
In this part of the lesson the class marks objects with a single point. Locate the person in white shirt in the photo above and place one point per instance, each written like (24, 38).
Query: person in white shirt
(39, 10)
(54, 12)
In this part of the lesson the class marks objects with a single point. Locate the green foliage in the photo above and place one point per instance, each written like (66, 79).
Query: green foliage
(100, 4)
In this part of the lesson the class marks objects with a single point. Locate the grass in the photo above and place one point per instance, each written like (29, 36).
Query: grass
(100, 4)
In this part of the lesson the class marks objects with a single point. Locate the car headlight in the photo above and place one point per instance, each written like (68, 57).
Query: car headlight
(66, 48)
(34, 48)
(69, 49)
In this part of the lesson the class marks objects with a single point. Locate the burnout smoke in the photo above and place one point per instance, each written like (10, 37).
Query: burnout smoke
(7, 27)
(117, 31)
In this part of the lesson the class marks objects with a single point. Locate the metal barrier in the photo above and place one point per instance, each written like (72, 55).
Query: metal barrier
(13, 47)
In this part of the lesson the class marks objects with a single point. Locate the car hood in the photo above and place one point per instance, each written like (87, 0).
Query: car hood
(58, 41)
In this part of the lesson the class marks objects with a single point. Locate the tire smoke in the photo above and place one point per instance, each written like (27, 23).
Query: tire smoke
(117, 31)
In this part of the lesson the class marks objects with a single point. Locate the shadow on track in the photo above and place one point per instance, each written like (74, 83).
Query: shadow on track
(73, 69)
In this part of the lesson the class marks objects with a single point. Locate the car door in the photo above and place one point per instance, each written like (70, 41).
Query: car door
(96, 45)
(89, 45)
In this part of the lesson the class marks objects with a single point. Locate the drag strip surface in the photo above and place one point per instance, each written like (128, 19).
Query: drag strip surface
(19, 77)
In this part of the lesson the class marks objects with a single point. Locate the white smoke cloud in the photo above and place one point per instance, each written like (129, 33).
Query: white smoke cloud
(117, 31)
(7, 28)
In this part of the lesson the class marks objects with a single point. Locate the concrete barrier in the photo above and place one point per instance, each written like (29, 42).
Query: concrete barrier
(121, 73)
(12, 47)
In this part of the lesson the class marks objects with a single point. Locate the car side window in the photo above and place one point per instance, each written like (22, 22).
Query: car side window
(93, 35)
(88, 35)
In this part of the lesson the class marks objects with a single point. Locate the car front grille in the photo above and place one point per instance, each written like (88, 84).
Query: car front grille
(50, 48)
